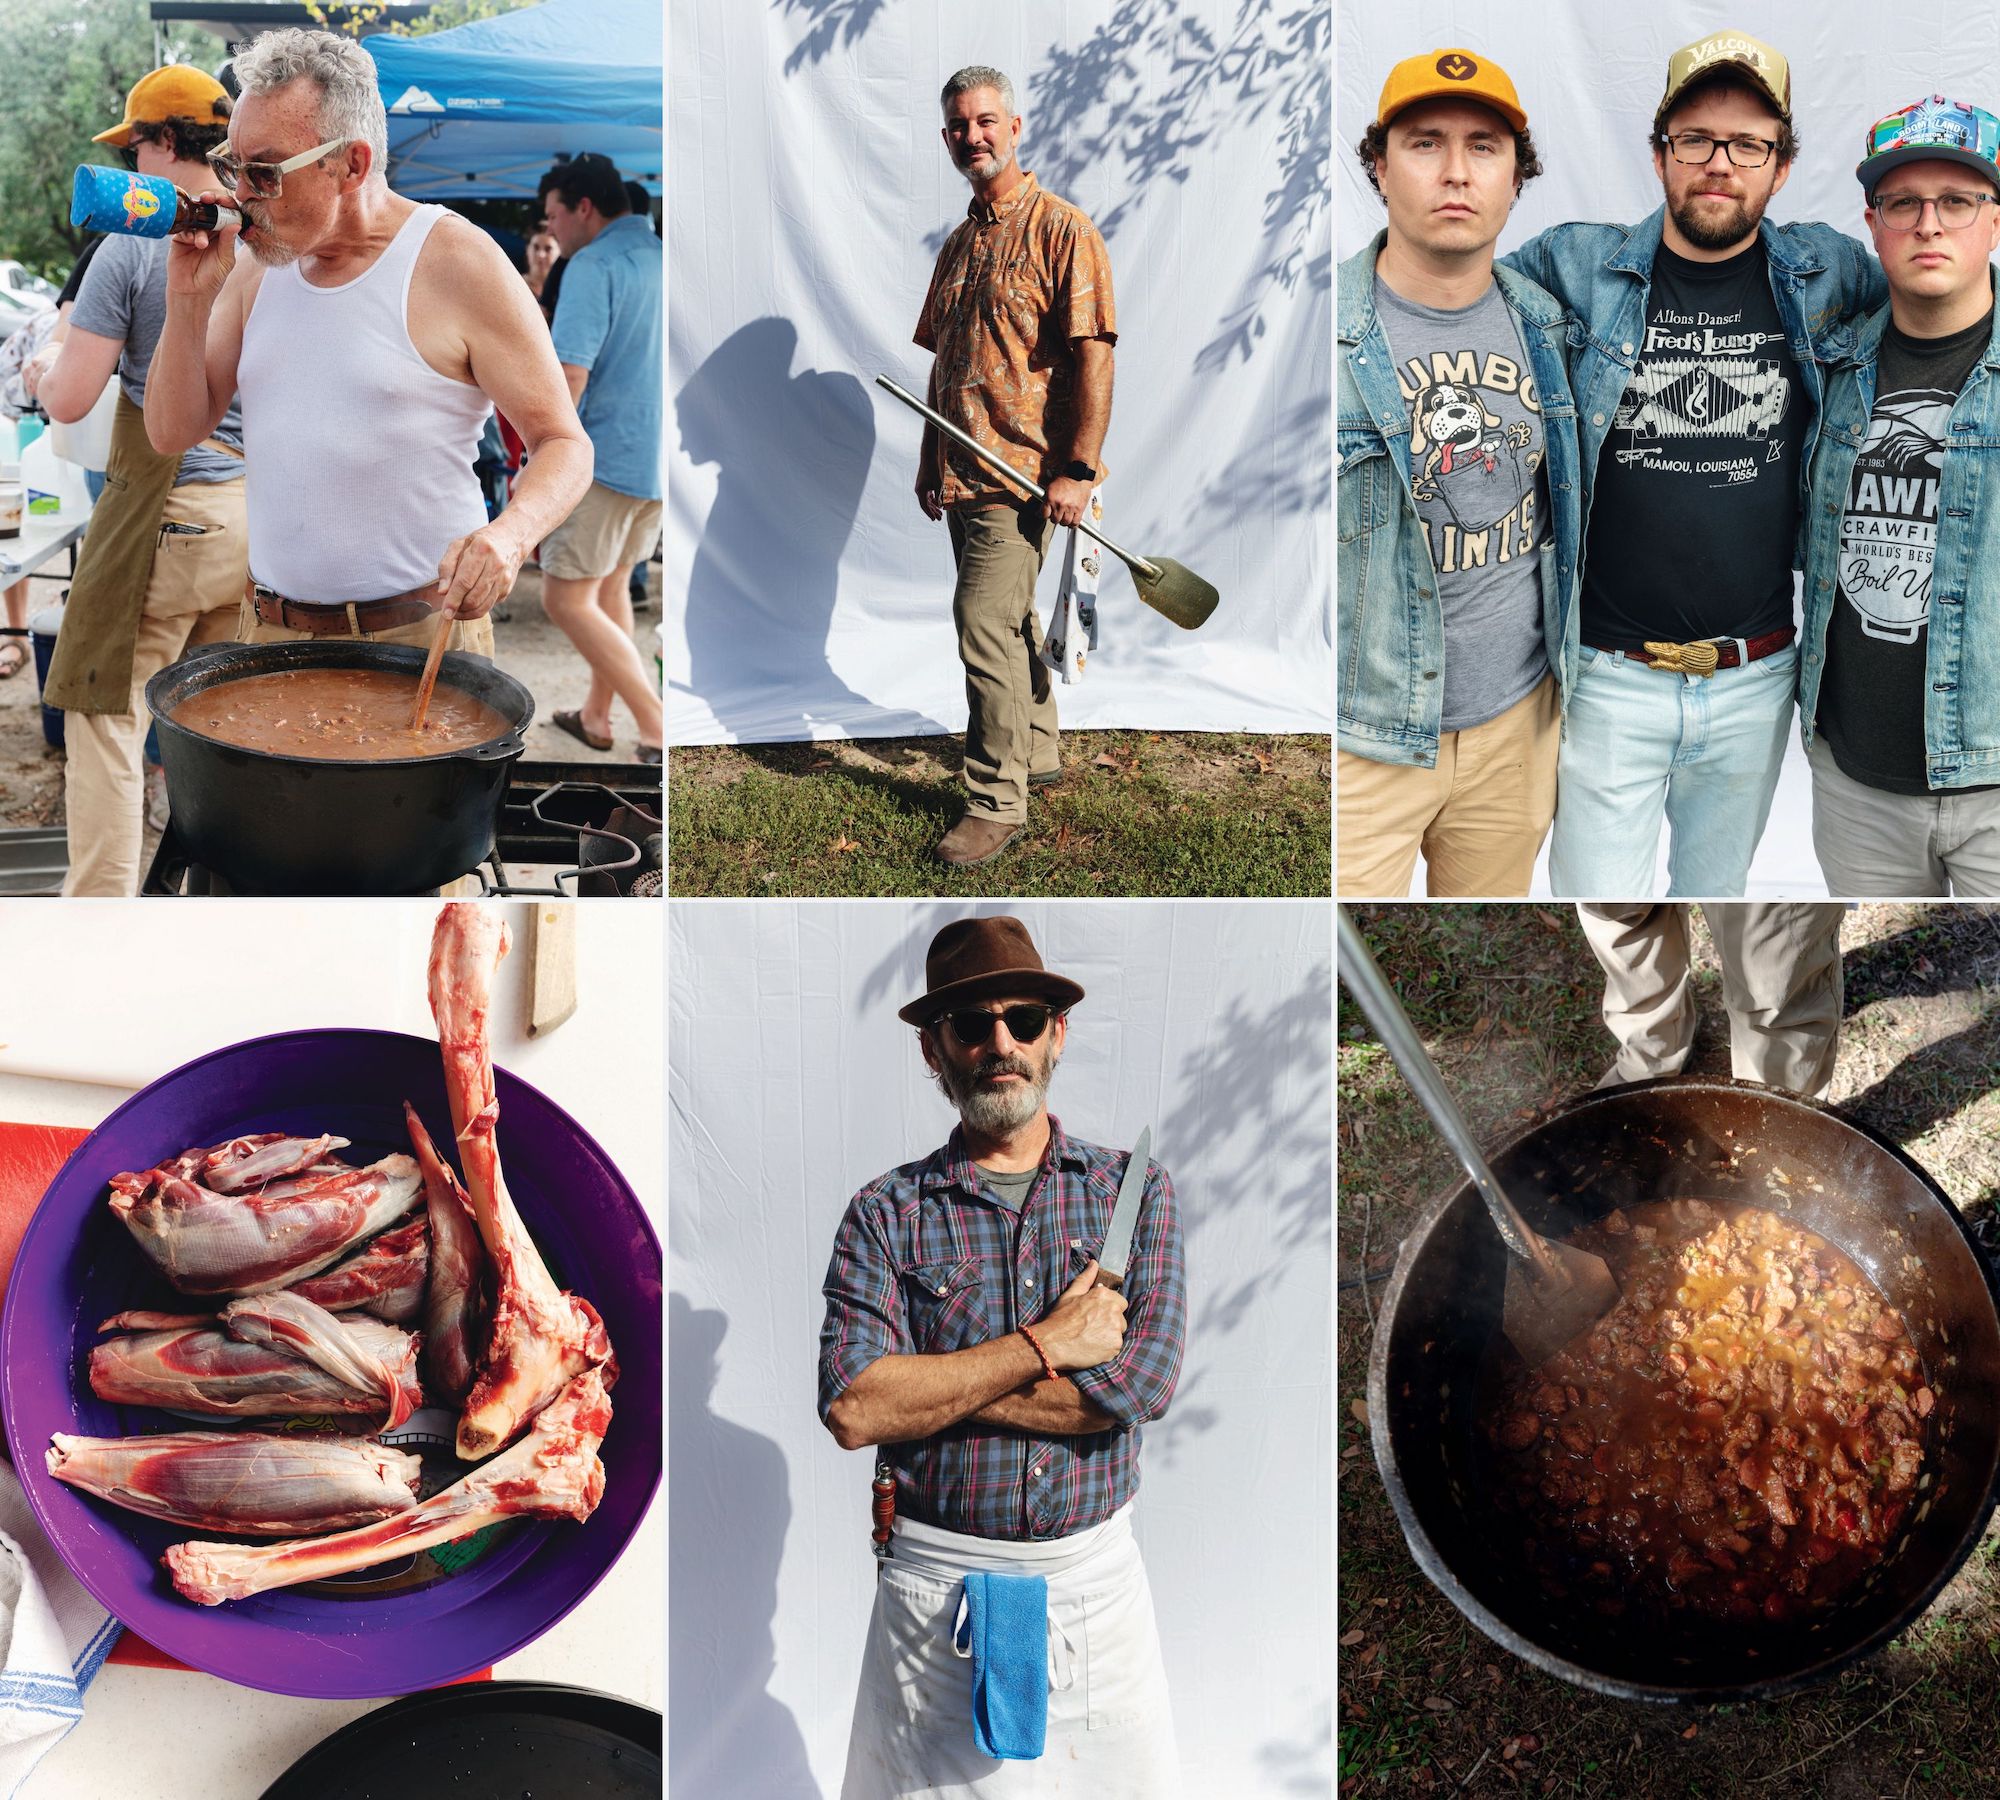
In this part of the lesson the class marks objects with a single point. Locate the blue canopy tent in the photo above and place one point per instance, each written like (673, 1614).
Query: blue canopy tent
(480, 112)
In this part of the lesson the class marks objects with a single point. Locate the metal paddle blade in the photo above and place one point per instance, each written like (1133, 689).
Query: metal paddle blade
(1177, 592)
(1541, 1317)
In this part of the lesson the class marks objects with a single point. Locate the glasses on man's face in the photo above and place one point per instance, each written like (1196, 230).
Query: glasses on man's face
(1699, 147)
(265, 180)
(1025, 1023)
(1900, 212)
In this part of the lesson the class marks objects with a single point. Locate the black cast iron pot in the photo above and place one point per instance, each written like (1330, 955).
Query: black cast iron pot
(1663, 1140)
(272, 824)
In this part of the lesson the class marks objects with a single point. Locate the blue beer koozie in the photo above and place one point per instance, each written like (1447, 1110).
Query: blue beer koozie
(1007, 1623)
(123, 200)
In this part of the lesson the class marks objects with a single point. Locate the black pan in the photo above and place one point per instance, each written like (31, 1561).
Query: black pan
(272, 824)
(1662, 1140)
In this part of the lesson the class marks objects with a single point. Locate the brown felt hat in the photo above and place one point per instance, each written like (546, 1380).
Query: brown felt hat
(982, 959)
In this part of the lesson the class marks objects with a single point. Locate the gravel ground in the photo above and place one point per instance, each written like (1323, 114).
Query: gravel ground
(529, 648)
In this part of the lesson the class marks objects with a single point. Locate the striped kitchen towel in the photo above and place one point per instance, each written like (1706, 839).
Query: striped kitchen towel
(53, 1637)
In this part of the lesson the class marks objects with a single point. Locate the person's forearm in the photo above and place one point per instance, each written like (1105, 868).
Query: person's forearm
(898, 1399)
(1047, 1409)
(554, 478)
(1093, 401)
(177, 402)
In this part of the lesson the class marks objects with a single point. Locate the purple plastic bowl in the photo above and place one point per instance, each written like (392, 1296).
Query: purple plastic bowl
(78, 1265)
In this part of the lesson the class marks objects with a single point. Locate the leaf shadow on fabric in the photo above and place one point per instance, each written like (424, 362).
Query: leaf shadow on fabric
(731, 1510)
(833, 23)
(793, 453)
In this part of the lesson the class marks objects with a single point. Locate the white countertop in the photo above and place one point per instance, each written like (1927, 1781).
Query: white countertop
(188, 978)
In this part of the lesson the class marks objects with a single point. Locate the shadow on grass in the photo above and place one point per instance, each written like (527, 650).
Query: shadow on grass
(927, 799)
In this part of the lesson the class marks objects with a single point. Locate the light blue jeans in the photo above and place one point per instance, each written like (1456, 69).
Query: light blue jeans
(1642, 744)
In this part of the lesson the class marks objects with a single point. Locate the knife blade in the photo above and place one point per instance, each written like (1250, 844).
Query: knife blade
(1116, 1255)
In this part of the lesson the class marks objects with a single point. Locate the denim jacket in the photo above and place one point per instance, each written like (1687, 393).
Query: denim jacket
(1391, 643)
(1822, 280)
(1962, 651)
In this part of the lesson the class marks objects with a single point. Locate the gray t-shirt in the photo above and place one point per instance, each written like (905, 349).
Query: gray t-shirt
(124, 295)
(1010, 1190)
(1476, 466)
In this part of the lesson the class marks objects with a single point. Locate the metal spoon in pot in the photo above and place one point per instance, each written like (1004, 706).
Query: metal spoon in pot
(1555, 1292)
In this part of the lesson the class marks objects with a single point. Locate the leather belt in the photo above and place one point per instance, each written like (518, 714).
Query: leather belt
(353, 618)
(1707, 655)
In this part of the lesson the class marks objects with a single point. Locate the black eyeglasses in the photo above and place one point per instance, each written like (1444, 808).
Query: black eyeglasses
(1699, 147)
(1025, 1023)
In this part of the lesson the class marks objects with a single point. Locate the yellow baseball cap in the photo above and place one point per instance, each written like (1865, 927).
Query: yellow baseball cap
(1766, 69)
(176, 92)
(1450, 74)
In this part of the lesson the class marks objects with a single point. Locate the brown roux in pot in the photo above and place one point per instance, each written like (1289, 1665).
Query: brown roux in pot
(357, 715)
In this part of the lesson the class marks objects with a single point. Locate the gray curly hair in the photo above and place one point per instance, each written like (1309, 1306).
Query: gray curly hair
(978, 75)
(350, 100)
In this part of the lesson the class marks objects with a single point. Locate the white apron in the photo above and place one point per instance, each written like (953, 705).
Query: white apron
(1111, 1729)
(1072, 629)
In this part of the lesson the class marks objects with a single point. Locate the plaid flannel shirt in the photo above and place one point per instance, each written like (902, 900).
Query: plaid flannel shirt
(927, 1261)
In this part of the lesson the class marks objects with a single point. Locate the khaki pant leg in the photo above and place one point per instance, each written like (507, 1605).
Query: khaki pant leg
(188, 601)
(1781, 981)
(1384, 811)
(1010, 708)
(1502, 800)
(1648, 986)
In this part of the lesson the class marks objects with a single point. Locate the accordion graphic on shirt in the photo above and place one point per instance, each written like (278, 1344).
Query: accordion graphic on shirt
(1691, 397)
(1888, 536)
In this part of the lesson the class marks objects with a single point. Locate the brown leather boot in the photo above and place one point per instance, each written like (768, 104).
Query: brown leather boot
(974, 839)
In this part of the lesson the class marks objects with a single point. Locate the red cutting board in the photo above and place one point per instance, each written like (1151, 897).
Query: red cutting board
(30, 1156)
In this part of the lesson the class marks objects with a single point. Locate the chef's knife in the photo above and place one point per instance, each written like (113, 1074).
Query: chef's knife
(1113, 1259)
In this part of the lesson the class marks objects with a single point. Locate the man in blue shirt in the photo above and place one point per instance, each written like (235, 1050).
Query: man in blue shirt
(608, 334)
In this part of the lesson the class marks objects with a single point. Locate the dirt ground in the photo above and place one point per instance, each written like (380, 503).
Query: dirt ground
(1507, 1000)
(529, 648)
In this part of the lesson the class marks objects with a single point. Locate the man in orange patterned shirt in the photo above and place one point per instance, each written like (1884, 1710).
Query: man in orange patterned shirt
(1020, 320)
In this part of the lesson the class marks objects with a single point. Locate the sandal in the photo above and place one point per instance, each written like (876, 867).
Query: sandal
(572, 722)
(13, 659)
(649, 754)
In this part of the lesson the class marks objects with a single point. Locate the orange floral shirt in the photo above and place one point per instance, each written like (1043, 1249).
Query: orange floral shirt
(1014, 285)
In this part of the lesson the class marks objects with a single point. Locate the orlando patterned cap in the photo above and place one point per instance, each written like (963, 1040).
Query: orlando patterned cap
(1453, 75)
(1765, 68)
(1931, 130)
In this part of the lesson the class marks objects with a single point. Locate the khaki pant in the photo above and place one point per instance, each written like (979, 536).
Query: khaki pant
(1010, 729)
(1479, 816)
(1780, 983)
(473, 636)
(190, 600)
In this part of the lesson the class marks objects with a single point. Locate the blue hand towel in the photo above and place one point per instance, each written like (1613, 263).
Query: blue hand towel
(1006, 1627)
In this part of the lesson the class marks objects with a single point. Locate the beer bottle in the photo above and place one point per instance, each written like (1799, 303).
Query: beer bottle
(123, 200)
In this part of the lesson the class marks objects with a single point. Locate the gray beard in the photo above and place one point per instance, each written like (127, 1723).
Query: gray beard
(991, 1111)
(270, 251)
(989, 170)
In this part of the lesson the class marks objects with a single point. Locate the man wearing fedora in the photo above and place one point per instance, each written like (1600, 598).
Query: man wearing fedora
(966, 1337)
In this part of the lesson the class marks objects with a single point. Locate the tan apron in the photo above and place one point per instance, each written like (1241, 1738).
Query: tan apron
(91, 670)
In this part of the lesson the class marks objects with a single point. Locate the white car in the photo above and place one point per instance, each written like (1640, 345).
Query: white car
(17, 309)
(23, 284)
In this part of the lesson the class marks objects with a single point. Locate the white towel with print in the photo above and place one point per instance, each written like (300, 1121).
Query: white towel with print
(53, 1639)
(1072, 632)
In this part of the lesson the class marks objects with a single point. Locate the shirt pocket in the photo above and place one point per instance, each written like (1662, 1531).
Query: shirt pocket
(1368, 489)
(946, 1305)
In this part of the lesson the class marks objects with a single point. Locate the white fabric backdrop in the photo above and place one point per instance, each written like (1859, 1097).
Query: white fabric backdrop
(807, 595)
(1590, 77)
(792, 1083)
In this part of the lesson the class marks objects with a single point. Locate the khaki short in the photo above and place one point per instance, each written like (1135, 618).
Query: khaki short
(609, 531)
(473, 636)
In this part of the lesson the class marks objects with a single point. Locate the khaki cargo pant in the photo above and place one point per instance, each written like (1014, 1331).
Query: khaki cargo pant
(1479, 816)
(190, 600)
(1010, 728)
(1780, 983)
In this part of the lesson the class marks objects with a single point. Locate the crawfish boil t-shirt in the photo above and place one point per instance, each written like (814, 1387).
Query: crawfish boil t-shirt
(1694, 513)
(1476, 469)
(1871, 698)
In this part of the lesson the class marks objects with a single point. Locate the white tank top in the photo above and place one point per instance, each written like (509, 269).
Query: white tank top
(357, 453)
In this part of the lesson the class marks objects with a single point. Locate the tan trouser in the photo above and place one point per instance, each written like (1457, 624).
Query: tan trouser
(1010, 729)
(1479, 816)
(190, 600)
(473, 636)
(1780, 983)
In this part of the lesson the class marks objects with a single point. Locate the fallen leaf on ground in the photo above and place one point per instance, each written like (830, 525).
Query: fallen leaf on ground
(1548, 918)
(1359, 1408)
(1437, 1703)
(1105, 761)
(845, 843)
(1692, 1731)
(1348, 1639)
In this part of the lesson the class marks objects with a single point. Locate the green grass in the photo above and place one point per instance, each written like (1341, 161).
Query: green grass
(1135, 813)
(1506, 999)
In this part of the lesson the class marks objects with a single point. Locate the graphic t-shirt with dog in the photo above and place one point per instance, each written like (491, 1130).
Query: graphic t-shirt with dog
(1476, 468)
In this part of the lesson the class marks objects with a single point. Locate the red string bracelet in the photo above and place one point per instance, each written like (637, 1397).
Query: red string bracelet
(1034, 1343)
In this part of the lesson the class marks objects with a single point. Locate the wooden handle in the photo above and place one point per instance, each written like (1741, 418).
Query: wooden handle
(428, 680)
(551, 966)
(883, 1508)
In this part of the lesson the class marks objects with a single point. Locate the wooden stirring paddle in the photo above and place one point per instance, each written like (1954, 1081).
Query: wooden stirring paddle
(428, 680)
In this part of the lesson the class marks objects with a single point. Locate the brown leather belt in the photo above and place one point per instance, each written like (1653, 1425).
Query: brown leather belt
(353, 618)
(1706, 656)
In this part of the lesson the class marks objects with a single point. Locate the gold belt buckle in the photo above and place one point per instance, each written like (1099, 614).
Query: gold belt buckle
(1685, 659)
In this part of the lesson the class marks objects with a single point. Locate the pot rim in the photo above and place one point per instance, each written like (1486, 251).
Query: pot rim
(1508, 1637)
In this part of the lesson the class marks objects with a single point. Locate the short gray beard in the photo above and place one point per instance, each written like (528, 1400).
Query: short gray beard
(991, 170)
(272, 252)
(994, 1112)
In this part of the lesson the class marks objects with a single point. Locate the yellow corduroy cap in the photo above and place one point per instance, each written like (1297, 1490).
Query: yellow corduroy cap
(1450, 74)
(178, 91)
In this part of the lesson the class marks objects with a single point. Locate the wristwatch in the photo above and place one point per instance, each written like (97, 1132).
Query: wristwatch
(1079, 471)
